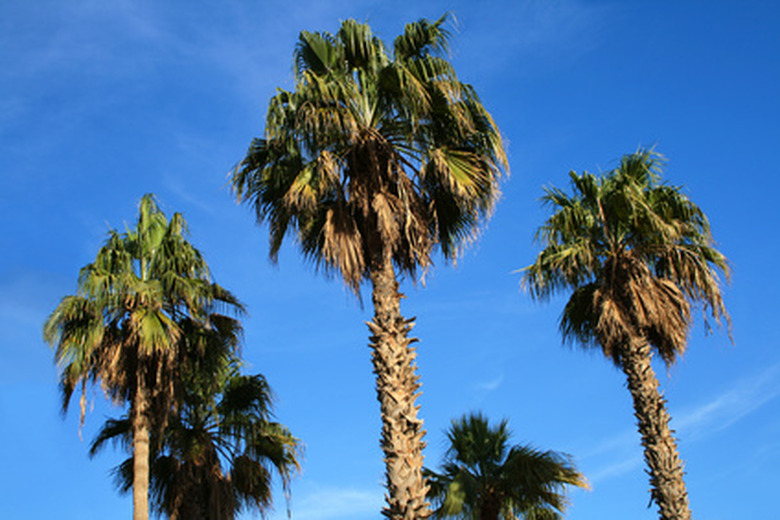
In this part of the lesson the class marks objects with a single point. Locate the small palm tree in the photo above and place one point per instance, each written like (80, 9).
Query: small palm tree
(219, 450)
(377, 156)
(484, 478)
(636, 254)
(123, 328)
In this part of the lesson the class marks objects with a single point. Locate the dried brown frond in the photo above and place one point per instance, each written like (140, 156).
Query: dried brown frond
(635, 303)
(342, 245)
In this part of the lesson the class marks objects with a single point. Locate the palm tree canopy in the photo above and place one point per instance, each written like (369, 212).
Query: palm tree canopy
(219, 450)
(376, 153)
(124, 327)
(484, 477)
(635, 251)
(144, 285)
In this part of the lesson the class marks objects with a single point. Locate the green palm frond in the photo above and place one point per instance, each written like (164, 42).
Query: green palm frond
(636, 253)
(361, 49)
(482, 475)
(118, 431)
(218, 452)
(372, 150)
(423, 37)
(319, 53)
(124, 328)
(251, 482)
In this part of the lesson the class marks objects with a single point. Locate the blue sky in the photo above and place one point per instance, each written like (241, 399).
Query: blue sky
(103, 101)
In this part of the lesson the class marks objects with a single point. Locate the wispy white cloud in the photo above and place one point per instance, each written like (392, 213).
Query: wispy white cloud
(175, 185)
(26, 298)
(746, 396)
(85, 37)
(615, 469)
(743, 398)
(617, 443)
(492, 384)
(22, 297)
(535, 30)
(612, 457)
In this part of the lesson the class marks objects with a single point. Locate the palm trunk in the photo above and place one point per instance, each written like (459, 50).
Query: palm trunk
(141, 452)
(661, 454)
(397, 386)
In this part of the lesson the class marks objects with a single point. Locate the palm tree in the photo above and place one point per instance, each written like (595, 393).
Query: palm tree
(636, 255)
(372, 160)
(484, 478)
(123, 330)
(218, 451)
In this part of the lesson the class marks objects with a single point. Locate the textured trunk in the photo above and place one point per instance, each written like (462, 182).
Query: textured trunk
(663, 460)
(397, 388)
(141, 453)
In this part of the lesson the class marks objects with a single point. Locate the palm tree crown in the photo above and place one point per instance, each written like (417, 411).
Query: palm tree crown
(218, 451)
(483, 477)
(124, 327)
(374, 158)
(373, 153)
(636, 254)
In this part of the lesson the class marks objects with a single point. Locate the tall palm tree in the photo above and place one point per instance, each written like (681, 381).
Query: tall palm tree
(636, 254)
(484, 478)
(123, 330)
(375, 158)
(218, 451)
